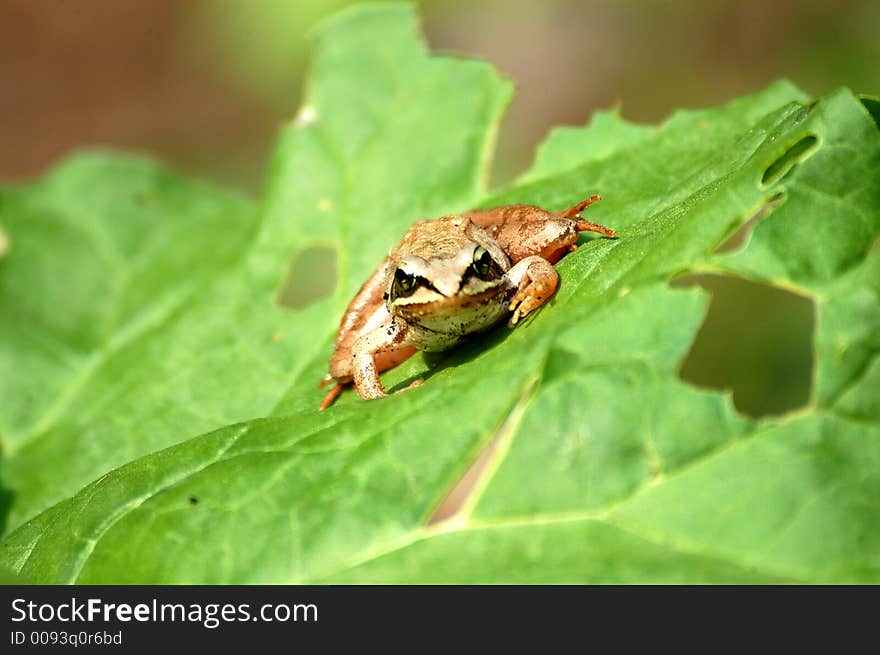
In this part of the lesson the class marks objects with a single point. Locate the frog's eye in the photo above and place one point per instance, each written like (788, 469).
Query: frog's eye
(405, 282)
(482, 263)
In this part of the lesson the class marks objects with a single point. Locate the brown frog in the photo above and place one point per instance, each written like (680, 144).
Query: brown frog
(447, 278)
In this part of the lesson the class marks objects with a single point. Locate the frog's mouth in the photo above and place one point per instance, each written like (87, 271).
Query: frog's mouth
(433, 310)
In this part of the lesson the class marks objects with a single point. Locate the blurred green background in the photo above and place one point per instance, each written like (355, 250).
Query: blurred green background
(204, 84)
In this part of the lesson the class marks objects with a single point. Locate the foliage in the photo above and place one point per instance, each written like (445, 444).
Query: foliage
(159, 419)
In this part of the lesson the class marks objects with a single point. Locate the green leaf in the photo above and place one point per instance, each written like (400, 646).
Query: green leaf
(143, 307)
(159, 421)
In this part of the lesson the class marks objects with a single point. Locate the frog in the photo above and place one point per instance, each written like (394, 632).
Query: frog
(448, 278)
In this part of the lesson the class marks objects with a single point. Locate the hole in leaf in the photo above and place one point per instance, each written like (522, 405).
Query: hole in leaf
(786, 163)
(756, 340)
(873, 107)
(311, 276)
(741, 235)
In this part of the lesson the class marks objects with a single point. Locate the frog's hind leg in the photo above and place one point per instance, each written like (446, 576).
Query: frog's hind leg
(574, 212)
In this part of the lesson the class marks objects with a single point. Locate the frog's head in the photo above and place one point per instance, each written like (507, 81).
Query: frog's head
(460, 290)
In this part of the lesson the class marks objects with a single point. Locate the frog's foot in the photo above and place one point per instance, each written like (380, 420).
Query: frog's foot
(385, 338)
(575, 210)
(536, 281)
(574, 213)
(527, 300)
(587, 226)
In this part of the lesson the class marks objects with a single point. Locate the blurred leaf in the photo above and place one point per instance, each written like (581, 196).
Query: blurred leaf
(605, 466)
(260, 44)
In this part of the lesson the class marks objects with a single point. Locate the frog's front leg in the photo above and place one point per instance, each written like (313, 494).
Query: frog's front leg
(389, 336)
(535, 281)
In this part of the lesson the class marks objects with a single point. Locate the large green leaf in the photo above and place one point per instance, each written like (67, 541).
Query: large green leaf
(132, 326)
(143, 307)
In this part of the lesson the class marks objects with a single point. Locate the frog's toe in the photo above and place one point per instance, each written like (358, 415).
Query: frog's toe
(520, 310)
(514, 318)
(516, 308)
(524, 303)
(331, 395)
(412, 385)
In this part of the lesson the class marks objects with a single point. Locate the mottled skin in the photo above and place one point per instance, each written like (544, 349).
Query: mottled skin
(447, 278)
